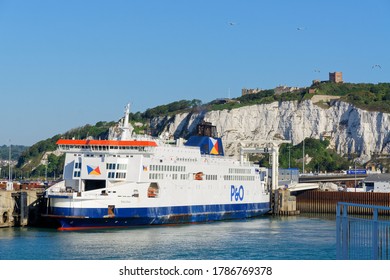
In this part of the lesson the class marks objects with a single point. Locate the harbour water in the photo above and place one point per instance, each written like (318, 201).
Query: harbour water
(300, 237)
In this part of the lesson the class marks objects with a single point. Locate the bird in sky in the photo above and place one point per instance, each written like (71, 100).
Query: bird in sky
(376, 66)
(232, 23)
(301, 28)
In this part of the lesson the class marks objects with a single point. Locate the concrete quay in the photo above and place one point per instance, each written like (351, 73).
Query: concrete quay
(20, 207)
(283, 203)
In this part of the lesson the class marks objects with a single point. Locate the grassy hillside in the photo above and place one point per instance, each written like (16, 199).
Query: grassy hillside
(365, 96)
(16, 151)
(319, 157)
(370, 97)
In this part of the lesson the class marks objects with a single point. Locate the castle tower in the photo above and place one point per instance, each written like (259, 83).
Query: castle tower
(336, 77)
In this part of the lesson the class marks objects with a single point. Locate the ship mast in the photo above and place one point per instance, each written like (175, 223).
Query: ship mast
(127, 128)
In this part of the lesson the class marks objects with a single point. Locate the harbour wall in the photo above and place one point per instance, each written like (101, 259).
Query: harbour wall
(324, 202)
(20, 208)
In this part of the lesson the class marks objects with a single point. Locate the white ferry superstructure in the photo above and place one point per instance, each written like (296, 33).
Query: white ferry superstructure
(133, 181)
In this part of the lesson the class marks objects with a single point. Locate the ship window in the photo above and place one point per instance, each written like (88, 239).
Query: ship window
(76, 174)
(111, 166)
(153, 190)
(121, 166)
(120, 175)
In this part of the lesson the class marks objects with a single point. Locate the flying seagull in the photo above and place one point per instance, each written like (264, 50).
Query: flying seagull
(232, 23)
(376, 66)
(300, 28)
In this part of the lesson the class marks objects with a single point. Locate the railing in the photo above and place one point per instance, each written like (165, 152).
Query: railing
(362, 237)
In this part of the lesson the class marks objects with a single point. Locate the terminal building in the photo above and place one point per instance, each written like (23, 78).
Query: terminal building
(377, 183)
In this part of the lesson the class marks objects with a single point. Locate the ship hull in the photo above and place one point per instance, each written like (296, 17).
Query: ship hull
(96, 218)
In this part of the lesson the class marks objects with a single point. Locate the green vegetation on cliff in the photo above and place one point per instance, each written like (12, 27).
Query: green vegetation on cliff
(16, 151)
(370, 97)
(319, 157)
(167, 109)
(374, 97)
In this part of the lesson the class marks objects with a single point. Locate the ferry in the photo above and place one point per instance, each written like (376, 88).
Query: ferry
(132, 180)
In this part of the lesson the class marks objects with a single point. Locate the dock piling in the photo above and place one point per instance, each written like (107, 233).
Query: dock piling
(284, 203)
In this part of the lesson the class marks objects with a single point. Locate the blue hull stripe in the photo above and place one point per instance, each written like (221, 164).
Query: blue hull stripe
(124, 217)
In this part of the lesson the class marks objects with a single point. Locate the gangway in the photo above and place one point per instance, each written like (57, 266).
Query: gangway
(265, 147)
(303, 187)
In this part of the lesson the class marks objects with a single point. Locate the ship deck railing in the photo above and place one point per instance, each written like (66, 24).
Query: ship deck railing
(361, 237)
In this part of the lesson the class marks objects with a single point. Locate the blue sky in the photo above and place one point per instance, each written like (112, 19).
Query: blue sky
(67, 63)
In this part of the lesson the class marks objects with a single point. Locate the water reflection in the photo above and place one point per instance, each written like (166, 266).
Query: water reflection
(297, 237)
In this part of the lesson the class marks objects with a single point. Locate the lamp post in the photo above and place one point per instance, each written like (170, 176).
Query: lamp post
(289, 156)
(303, 141)
(356, 160)
(355, 173)
(9, 164)
(46, 172)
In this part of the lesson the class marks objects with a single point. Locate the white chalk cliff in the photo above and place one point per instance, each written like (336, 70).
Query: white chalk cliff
(349, 129)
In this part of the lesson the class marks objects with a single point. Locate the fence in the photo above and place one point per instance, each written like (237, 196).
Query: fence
(362, 237)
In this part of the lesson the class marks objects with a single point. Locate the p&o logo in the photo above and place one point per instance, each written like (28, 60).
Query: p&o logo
(236, 193)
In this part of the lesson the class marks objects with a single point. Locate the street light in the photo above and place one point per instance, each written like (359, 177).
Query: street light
(289, 156)
(46, 172)
(355, 160)
(303, 141)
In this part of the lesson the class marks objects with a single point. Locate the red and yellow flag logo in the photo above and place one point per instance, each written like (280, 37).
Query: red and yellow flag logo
(93, 170)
